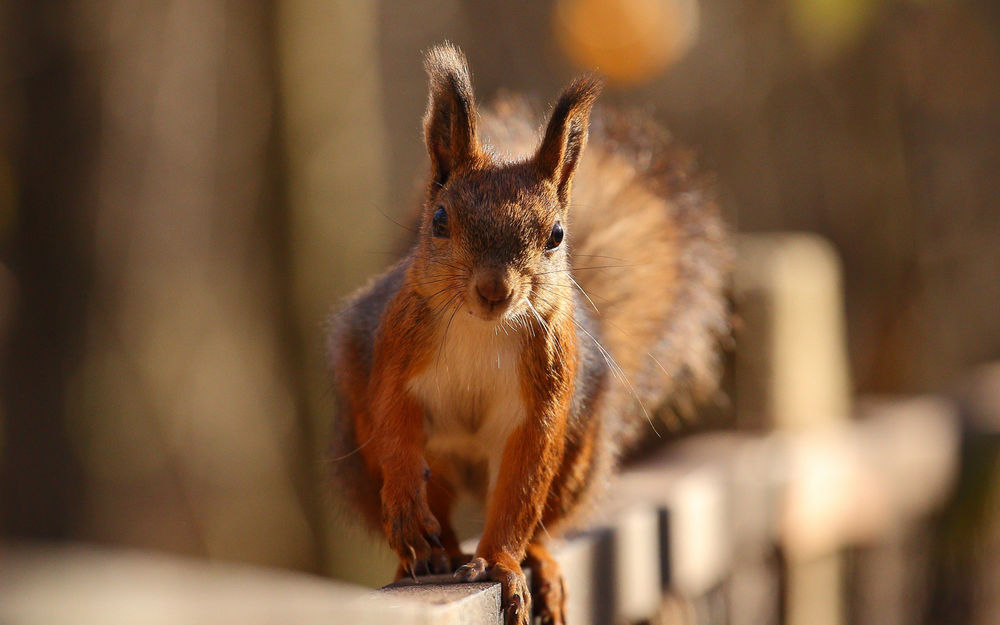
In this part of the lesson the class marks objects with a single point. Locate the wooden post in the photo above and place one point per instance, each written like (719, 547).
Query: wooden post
(967, 578)
(981, 403)
(791, 374)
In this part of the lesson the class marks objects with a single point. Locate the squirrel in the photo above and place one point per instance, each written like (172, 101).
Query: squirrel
(549, 298)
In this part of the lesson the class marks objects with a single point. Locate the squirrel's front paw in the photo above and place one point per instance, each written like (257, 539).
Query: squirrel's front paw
(515, 598)
(412, 531)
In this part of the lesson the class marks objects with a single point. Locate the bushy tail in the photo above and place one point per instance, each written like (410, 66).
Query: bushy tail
(650, 250)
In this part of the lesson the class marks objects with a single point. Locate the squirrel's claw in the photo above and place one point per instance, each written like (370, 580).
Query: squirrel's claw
(474, 571)
(515, 598)
(514, 610)
(410, 529)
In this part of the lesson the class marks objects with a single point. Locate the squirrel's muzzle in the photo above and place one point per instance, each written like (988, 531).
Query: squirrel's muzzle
(494, 292)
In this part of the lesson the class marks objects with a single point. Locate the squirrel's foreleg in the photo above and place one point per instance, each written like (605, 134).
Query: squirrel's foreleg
(530, 461)
(397, 443)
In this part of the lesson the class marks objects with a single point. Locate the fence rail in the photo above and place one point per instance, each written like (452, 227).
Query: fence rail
(681, 525)
(690, 533)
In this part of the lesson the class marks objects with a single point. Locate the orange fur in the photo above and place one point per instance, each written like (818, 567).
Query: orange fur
(477, 364)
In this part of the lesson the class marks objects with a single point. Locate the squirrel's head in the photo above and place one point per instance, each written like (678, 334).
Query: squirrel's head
(494, 234)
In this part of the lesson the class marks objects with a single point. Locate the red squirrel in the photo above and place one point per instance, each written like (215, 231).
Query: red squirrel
(555, 293)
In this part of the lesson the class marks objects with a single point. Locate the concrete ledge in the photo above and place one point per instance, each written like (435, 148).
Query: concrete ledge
(445, 601)
(88, 585)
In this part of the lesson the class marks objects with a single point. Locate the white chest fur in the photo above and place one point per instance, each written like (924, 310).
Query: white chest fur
(471, 391)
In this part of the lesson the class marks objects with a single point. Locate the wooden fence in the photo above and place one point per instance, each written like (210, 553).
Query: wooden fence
(815, 510)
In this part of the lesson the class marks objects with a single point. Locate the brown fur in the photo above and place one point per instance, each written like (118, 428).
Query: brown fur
(424, 412)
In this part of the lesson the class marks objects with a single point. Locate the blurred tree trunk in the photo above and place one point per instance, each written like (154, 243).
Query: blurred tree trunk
(162, 229)
(338, 224)
(48, 134)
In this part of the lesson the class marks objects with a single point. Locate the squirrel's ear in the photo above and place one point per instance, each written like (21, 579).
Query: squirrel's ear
(566, 134)
(450, 121)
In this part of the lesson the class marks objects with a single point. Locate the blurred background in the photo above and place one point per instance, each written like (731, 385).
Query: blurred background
(187, 188)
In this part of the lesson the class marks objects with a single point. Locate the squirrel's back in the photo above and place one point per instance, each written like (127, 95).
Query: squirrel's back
(649, 248)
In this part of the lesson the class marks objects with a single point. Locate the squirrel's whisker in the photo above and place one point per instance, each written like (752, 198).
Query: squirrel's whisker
(577, 285)
(356, 450)
(572, 269)
(548, 330)
(622, 260)
(620, 374)
(444, 338)
(384, 214)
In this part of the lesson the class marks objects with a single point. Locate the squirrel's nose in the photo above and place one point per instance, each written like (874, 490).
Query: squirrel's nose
(493, 290)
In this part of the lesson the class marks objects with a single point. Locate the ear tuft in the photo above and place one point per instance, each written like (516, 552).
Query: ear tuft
(450, 120)
(566, 134)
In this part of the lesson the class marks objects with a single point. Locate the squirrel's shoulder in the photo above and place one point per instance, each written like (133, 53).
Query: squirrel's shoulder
(358, 317)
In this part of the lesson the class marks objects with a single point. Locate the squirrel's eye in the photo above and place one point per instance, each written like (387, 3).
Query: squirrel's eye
(439, 223)
(555, 237)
